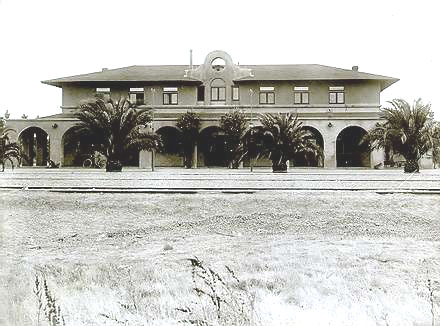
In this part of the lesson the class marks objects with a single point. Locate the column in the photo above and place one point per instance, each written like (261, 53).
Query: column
(194, 161)
(55, 149)
(377, 156)
(145, 159)
(329, 154)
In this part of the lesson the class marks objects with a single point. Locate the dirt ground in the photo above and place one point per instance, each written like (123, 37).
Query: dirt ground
(308, 257)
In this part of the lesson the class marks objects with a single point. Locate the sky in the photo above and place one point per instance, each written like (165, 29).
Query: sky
(48, 39)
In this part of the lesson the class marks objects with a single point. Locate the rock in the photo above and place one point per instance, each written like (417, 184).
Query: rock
(168, 247)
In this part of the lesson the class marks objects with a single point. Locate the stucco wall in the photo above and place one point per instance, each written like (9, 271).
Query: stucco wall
(356, 93)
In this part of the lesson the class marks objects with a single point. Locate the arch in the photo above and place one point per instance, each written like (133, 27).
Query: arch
(212, 146)
(31, 126)
(309, 160)
(218, 82)
(172, 147)
(350, 152)
(35, 146)
(253, 144)
(210, 57)
(75, 149)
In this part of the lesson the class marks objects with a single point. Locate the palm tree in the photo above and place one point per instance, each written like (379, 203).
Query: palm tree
(406, 131)
(8, 150)
(114, 129)
(234, 126)
(435, 136)
(284, 139)
(189, 124)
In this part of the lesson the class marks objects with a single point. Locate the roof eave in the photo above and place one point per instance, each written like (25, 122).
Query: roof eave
(387, 83)
(59, 83)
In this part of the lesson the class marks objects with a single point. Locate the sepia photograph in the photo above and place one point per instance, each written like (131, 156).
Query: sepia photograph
(232, 163)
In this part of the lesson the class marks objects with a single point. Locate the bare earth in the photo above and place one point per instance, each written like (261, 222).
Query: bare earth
(306, 257)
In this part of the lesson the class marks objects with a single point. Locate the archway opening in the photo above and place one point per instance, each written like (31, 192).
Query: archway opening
(253, 143)
(34, 146)
(76, 149)
(212, 146)
(308, 159)
(350, 151)
(172, 147)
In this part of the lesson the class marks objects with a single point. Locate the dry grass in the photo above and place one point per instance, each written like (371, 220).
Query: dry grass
(300, 258)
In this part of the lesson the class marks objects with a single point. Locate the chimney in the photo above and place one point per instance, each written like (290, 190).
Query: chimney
(191, 58)
(355, 68)
(104, 69)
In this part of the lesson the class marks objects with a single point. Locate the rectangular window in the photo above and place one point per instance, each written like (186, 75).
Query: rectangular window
(103, 93)
(336, 95)
(218, 94)
(200, 93)
(137, 95)
(235, 93)
(170, 96)
(300, 95)
(267, 98)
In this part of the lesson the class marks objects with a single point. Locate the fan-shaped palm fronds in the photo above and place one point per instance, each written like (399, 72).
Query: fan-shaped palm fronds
(284, 138)
(189, 124)
(234, 126)
(8, 150)
(406, 130)
(114, 128)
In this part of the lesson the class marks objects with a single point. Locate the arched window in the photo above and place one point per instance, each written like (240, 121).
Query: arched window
(218, 90)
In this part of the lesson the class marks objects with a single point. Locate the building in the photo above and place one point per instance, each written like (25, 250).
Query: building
(337, 105)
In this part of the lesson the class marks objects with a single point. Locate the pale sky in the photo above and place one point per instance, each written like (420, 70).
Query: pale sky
(49, 39)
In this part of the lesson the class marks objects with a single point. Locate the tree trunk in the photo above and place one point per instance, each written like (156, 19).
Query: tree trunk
(411, 166)
(113, 166)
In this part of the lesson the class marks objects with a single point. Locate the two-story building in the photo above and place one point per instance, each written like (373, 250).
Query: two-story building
(337, 105)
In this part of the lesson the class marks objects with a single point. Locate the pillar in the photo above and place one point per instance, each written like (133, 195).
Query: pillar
(377, 156)
(145, 159)
(194, 161)
(330, 154)
(55, 149)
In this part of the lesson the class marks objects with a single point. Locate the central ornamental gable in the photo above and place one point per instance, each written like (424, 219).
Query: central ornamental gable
(218, 65)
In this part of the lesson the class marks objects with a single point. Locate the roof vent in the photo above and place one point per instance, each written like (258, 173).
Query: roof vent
(355, 68)
(104, 69)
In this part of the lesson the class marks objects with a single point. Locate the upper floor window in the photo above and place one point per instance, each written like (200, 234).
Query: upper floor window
(218, 94)
(137, 95)
(235, 93)
(201, 93)
(170, 96)
(336, 95)
(103, 93)
(218, 90)
(300, 95)
(267, 95)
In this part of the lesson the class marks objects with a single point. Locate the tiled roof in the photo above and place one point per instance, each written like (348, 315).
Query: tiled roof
(127, 74)
(59, 116)
(311, 72)
(259, 73)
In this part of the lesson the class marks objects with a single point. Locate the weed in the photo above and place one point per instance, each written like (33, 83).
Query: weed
(229, 298)
(430, 284)
(38, 291)
(46, 302)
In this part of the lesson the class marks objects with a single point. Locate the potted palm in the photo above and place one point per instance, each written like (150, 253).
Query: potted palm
(114, 129)
(284, 139)
(234, 126)
(406, 130)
